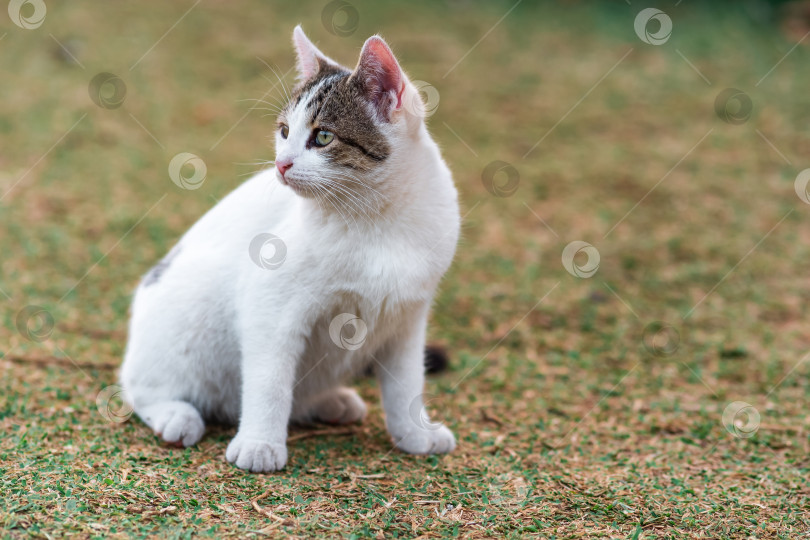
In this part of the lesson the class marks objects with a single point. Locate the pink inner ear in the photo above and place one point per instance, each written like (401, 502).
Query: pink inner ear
(399, 96)
(382, 74)
(379, 51)
(307, 54)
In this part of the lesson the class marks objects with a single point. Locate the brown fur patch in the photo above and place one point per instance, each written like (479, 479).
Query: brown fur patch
(324, 70)
(341, 106)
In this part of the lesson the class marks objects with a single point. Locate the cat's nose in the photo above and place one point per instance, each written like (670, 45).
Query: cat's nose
(283, 166)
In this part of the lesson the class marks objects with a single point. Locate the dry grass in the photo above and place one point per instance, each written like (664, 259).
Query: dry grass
(570, 423)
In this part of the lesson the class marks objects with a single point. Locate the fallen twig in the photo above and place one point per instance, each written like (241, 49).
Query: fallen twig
(268, 513)
(94, 333)
(45, 361)
(319, 432)
(486, 417)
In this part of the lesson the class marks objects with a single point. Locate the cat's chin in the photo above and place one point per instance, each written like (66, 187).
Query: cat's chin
(300, 188)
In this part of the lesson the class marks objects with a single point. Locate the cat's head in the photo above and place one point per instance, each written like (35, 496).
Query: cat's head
(342, 130)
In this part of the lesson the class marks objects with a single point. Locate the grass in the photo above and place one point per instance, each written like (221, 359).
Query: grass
(584, 407)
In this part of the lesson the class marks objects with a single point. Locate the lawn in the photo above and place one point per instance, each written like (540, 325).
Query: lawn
(626, 314)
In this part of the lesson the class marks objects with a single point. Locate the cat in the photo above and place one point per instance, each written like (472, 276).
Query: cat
(305, 275)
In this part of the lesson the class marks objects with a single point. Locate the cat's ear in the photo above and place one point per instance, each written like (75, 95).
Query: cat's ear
(380, 77)
(310, 59)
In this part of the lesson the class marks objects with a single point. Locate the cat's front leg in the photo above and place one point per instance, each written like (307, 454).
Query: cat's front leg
(268, 378)
(402, 380)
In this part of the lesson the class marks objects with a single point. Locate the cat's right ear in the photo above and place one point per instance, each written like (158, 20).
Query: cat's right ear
(310, 59)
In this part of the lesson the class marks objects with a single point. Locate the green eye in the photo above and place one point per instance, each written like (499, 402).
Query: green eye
(284, 131)
(322, 138)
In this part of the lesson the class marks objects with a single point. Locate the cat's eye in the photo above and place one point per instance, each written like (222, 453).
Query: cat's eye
(323, 137)
(284, 131)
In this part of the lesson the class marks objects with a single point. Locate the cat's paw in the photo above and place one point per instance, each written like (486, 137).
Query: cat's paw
(256, 455)
(178, 423)
(437, 439)
(340, 406)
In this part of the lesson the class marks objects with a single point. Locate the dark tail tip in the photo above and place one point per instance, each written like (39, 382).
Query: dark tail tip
(436, 359)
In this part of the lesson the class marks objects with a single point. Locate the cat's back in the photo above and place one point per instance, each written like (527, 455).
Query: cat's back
(260, 204)
(207, 260)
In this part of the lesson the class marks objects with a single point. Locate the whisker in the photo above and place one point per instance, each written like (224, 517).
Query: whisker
(271, 103)
(376, 194)
(277, 107)
(283, 85)
(357, 203)
(333, 205)
(355, 180)
(257, 162)
(251, 173)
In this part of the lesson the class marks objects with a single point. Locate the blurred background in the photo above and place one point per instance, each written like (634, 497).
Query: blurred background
(627, 312)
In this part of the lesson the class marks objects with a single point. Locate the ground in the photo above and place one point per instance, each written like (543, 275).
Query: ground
(660, 394)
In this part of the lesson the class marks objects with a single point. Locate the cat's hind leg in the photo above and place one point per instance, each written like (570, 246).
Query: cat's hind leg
(176, 422)
(340, 405)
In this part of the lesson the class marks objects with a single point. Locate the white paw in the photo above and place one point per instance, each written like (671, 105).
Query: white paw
(256, 455)
(435, 439)
(341, 406)
(179, 424)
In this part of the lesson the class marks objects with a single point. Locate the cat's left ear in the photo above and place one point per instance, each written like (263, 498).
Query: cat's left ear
(380, 77)
(310, 58)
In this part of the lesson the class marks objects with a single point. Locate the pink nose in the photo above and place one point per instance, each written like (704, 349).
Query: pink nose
(283, 166)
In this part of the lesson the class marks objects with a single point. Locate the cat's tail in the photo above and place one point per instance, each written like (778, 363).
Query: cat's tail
(436, 359)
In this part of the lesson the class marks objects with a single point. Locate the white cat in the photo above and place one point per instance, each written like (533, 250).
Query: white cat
(305, 275)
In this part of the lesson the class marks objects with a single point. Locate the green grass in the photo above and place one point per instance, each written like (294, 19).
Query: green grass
(573, 421)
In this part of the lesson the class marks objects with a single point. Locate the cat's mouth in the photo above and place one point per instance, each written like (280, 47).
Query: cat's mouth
(300, 187)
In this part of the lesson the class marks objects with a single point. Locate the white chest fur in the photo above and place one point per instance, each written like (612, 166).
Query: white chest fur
(223, 329)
